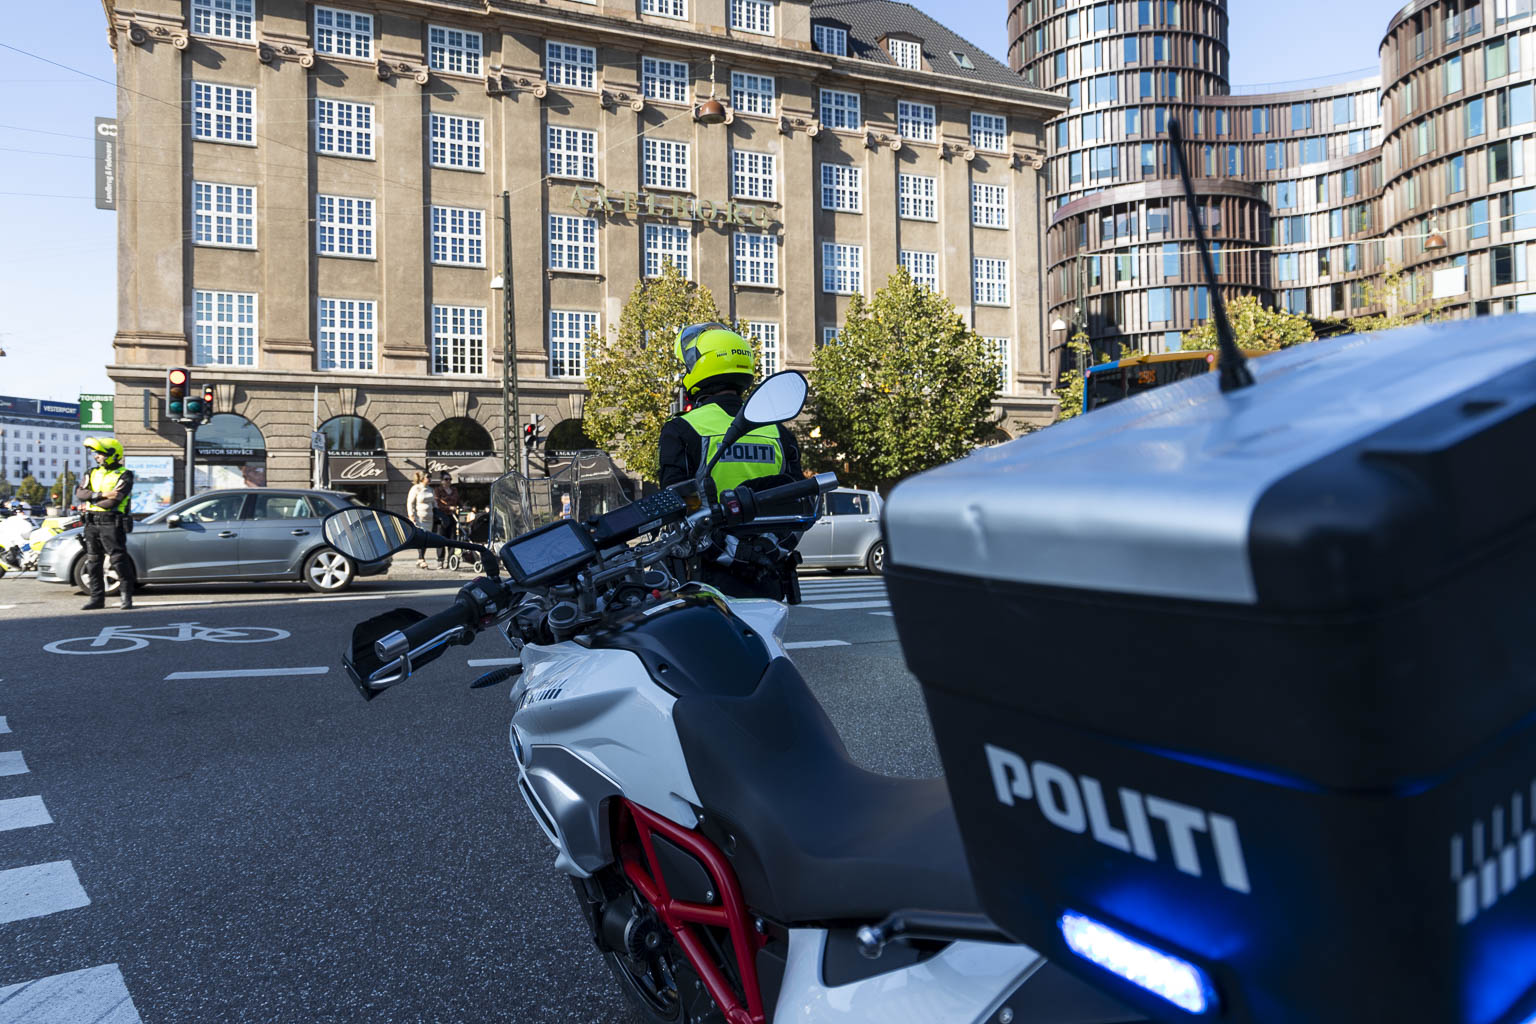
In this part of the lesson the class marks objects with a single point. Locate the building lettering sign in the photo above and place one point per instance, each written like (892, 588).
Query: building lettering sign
(722, 213)
(216, 451)
(356, 469)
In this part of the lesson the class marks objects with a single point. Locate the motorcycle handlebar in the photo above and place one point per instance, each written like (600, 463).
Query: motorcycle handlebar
(458, 616)
(807, 488)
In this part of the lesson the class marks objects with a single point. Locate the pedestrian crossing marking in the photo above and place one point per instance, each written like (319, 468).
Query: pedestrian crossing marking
(40, 889)
(4, 727)
(848, 605)
(12, 763)
(96, 994)
(23, 812)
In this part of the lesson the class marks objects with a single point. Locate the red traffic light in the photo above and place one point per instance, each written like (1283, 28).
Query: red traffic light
(177, 376)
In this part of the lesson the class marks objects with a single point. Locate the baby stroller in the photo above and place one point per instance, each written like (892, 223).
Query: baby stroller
(470, 525)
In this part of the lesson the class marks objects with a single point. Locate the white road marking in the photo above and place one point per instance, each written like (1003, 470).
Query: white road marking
(247, 673)
(96, 994)
(831, 591)
(3, 726)
(802, 644)
(23, 812)
(479, 662)
(6, 607)
(40, 889)
(286, 598)
(866, 582)
(12, 763)
(848, 605)
(887, 614)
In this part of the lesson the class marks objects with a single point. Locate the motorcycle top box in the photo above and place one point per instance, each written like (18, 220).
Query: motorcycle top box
(1235, 690)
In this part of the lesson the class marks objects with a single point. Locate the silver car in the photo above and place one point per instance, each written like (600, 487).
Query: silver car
(216, 536)
(847, 534)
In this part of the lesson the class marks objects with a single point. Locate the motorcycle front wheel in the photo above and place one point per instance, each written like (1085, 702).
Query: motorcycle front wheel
(660, 985)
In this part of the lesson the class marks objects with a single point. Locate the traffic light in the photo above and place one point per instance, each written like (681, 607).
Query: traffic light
(176, 392)
(194, 407)
(207, 402)
(531, 436)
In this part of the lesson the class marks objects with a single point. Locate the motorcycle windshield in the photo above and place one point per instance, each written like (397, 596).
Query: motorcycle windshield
(587, 486)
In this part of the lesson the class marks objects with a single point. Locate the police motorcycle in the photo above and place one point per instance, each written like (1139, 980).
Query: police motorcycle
(731, 861)
(22, 538)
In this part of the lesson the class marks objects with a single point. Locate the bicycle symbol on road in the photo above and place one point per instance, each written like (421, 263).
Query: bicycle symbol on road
(120, 639)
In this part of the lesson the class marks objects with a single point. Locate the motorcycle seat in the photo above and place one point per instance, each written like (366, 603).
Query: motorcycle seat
(814, 837)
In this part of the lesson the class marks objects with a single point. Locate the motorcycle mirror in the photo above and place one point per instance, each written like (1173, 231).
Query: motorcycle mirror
(776, 400)
(368, 534)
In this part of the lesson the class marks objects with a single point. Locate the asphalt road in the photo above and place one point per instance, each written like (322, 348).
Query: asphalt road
(269, 847)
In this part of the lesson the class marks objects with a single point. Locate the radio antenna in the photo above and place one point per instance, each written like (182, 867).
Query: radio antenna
(1234, 367)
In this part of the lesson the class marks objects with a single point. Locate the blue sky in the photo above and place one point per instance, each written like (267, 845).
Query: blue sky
(58, 289)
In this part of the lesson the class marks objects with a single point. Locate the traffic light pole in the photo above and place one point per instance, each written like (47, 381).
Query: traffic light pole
(509, 414)
(187, 480)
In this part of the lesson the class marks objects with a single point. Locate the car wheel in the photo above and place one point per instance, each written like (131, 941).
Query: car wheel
(328, 571)
(875, 562)
(109, 577)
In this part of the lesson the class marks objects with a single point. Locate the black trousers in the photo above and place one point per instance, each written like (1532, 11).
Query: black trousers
(104, 537)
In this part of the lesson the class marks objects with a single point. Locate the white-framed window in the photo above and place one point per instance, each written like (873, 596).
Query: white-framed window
(918, 121)
(573, 243)
(458, 142)
(989, 282)
(572, 66)
(923, 266)
(842, 188)
(664, 79)
(829, 335)
(344, 129)
(1003, 349)
(839, 109)
(752, 94)
(568, 331)
(570, 153)
(666, 164)
(917, 197)
(223, 113)
(343, 33)
(752, 16)
(223, 328)
(348, 333)
(666, 242)
(223, 215)
(458, 340)
(665, 8)
(829, 39)
(458, 236)
(989, 205)
(906, 53)
(344, 226)
(223, 19)
(767, 334)
(842, 268)
(753, 175)
(757, 258)
(454, 50)
(989, 132)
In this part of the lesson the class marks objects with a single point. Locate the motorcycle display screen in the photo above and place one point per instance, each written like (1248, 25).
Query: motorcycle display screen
(548, 552)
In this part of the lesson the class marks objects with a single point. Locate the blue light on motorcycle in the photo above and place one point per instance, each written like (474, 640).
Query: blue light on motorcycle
(1178, 981)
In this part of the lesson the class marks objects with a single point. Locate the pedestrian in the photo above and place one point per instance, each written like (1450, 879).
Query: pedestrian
(106, 493)
(447, 509)
(421, 509)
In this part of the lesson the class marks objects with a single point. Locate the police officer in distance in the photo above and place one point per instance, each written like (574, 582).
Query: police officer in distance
(718, 368)
(105, 496)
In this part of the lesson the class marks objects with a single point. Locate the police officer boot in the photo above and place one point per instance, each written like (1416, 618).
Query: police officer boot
(124, 594)
(96, 601)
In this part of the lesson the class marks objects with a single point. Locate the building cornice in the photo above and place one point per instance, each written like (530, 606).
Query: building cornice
(1161, 188)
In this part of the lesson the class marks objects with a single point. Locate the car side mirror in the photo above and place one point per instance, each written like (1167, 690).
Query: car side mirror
(173, 520)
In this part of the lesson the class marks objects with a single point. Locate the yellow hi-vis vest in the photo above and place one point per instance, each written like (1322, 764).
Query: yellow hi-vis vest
(102, 480)
(757, 453)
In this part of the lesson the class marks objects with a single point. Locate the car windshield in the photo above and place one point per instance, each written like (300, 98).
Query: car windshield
(589, 486)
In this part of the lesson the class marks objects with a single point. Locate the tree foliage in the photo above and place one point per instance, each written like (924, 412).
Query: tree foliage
(1070, 393)
(633, 375)
(1254, 328)
(64, 489)
(30, 491)
(1395, 290)
(906, 386)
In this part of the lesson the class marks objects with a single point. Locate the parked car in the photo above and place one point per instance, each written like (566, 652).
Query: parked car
(237, 534)
(847, 534)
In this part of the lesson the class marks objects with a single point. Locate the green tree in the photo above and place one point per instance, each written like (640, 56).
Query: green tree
(1398, 292)
(906, 385)
(1070, 393)
(633, 375)
(64, 489)
(1254, 328)
(30, 491)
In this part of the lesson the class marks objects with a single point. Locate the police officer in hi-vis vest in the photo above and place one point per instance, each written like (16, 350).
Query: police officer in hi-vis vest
(104, 497)
(718, 368)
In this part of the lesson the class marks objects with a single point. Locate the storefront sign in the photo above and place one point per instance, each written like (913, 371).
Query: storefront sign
(96, 412)
(723, 213)
(154, 481)
(236, 454)
(355, 469)
(438, 462)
